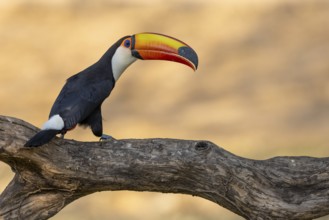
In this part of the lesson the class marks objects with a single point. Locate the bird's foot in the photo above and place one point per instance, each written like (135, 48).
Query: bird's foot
(62, 136)
(106, 137)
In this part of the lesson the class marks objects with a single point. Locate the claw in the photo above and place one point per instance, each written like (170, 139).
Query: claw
(105, 137)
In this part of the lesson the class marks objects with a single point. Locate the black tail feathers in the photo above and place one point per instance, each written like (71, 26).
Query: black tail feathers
(41, 138)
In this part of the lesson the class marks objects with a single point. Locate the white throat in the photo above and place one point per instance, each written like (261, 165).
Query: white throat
(121, 59)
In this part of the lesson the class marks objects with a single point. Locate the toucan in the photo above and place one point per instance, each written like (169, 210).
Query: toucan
(80, 100)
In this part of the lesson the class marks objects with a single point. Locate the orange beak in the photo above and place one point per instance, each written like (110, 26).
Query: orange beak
(152, 46)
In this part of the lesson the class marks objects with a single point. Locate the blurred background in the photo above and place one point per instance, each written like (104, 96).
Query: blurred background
(261, 90)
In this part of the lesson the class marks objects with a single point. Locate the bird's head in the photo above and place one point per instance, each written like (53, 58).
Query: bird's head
(151, 46)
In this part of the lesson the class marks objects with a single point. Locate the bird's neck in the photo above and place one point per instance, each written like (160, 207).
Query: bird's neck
(121, 59)
(117, 59)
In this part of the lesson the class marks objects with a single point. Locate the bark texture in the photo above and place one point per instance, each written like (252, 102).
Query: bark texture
(48, 178)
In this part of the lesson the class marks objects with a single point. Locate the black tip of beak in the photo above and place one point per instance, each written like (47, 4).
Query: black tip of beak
(189, 54)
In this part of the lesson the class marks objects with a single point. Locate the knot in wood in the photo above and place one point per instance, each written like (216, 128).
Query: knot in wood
(202, 146)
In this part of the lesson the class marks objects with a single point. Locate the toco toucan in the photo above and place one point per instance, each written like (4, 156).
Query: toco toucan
(81, 98)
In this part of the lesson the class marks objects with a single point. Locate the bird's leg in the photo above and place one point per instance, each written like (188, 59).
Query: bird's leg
(62, 134)
(105, 137)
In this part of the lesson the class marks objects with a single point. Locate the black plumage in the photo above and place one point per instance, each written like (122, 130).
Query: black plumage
(81, 98)
(41, 138)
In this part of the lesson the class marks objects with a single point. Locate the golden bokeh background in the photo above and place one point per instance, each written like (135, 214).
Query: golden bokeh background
(261, 90)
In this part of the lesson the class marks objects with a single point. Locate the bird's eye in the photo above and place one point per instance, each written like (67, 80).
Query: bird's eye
(127, 43)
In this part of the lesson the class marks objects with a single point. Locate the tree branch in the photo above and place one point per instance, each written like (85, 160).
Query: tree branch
(50, 177)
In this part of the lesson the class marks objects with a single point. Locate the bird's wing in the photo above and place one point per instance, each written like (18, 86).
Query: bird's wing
(78, 99)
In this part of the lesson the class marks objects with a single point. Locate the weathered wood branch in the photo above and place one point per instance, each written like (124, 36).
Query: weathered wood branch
(50, 177)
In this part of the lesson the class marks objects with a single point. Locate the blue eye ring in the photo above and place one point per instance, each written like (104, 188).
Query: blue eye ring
(127, 43)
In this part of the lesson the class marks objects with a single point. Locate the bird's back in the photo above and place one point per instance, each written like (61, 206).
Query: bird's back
(82, 94)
